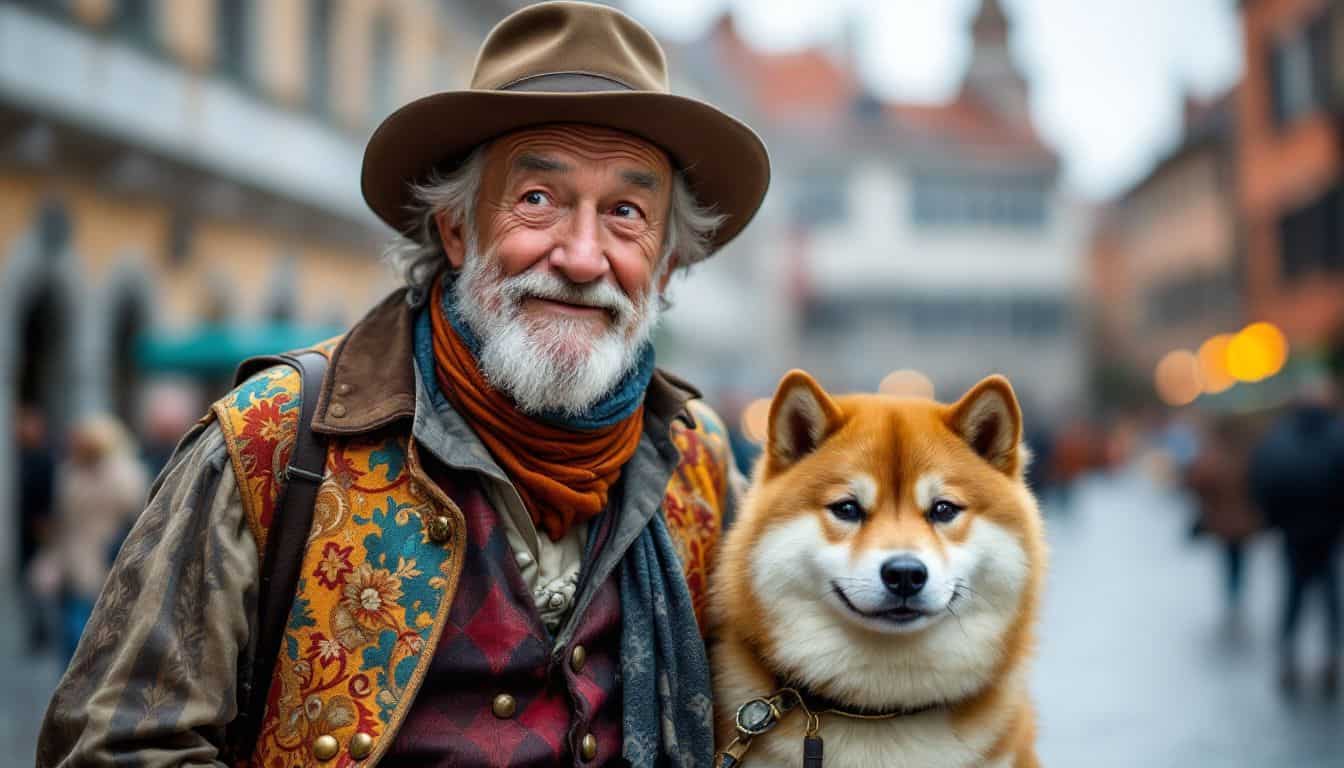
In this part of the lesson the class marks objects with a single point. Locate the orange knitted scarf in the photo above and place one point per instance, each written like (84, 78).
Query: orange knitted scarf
(562, 475)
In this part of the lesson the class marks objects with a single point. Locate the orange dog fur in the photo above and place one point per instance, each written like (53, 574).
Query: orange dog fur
(888, 557)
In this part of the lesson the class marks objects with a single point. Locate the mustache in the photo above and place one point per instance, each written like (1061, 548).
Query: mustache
(546, 286)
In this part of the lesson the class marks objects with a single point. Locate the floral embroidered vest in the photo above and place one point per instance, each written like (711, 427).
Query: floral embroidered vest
(497, 692)
(382, 566)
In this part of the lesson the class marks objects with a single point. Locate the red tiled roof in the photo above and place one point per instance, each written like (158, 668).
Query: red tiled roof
(786, 84)
(967, 121)
(810, 83)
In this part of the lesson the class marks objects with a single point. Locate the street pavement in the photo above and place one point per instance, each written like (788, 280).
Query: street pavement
(1132, 670)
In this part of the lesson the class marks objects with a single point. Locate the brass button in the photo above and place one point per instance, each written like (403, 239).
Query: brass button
(577, 658)
(504, 706)
(440, 529)
(343, 389)
(361, 744)
(325, 747)
(588, 747)
(337, 410)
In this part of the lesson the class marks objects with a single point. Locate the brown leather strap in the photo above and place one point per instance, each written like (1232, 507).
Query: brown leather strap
(283, 560)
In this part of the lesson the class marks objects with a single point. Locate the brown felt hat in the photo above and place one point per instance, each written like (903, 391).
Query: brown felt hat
(568, 62)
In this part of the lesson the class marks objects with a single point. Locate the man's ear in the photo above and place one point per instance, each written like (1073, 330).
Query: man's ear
(989, 419)
(450, 234)
(802, 415)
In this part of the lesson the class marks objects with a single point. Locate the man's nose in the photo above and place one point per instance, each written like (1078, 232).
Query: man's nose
(579, 255)
(904, 575)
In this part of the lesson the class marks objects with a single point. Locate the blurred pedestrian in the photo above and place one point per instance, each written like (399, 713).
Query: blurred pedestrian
(100, 487)
(37, 468)
(1217, 477)
(170, 407)
(1297, 479)
(1071, 456)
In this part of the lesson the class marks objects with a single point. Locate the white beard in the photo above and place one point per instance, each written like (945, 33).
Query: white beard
(554, 365)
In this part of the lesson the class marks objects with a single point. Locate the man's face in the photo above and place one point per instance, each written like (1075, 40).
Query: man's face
(562, 289)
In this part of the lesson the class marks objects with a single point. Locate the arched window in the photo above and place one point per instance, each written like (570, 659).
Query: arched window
(233, 42)
(319, 56)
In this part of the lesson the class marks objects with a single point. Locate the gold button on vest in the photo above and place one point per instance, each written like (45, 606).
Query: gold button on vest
(361, 744)
(440, 529)
(577, 658)
(504, 706)
(337, 410)
(325, 747)
(588, 747)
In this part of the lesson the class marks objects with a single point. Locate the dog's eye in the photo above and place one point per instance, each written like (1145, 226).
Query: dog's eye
(944, 511)
(847, 510)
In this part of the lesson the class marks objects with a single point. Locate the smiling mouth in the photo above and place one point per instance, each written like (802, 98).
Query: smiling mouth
(569, 308)
(901, 614)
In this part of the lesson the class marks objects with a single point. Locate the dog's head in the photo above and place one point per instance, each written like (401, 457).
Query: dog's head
(895, 534)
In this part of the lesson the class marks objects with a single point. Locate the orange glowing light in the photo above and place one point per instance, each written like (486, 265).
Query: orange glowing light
(755, 419)
(1177, 378)
(1257, 352)
(906, 383)
(1213, 369)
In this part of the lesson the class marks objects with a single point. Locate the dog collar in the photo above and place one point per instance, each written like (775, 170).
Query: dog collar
(759, 716)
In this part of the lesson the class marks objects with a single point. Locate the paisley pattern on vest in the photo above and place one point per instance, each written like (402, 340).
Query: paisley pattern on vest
(494, 644)
(382, 563)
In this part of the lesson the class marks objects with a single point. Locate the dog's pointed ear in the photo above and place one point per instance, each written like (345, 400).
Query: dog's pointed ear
(801, 416)
(989, 419)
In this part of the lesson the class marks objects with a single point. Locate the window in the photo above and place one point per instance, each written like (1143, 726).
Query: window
(1023, 316)
(134, 19)
(382, 72)
(1010, 201)
(1312, 236)
(319, 56)
(1300, 72)
(821, 199)
(232, 43)
(1195, 295)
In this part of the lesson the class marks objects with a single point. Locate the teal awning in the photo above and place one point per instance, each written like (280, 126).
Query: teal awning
(209, 350)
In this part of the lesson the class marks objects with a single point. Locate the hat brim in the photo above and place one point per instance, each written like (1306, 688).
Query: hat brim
(724, 161)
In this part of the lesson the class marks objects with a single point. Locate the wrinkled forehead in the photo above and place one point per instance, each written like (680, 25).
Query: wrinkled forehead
(570, 147)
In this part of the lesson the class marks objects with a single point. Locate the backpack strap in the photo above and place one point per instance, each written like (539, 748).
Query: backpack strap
(285, 543)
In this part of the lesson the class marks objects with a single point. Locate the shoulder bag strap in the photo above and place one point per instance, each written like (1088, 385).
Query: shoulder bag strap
(283, 560)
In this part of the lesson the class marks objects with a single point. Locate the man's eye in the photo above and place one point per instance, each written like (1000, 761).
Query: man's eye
(627, 211)
(536, 198)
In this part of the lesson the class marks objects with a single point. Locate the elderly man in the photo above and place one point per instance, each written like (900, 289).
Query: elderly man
(514, 511)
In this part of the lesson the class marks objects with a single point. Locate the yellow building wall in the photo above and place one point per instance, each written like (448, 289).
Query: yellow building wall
(187, 28)
(282, 29)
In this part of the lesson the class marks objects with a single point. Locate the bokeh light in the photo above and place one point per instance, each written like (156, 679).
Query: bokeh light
(1213, 369)
(1257, 352)
(906, 383)
(1177, 378)
(755, 420)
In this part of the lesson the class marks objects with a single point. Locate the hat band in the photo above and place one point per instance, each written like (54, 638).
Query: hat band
(567, 82)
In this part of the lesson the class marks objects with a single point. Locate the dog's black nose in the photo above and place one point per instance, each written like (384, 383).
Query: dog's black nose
(904, 575)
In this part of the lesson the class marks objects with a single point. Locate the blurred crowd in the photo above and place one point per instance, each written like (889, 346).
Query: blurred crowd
(80, 491)
(1282, 474)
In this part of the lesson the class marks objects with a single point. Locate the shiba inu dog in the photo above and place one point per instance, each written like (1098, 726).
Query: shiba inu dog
(884, 572)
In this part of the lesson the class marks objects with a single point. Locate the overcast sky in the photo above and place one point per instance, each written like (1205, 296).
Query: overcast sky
(1107, 75)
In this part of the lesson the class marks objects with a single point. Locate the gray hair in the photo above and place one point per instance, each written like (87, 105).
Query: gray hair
(418, 256)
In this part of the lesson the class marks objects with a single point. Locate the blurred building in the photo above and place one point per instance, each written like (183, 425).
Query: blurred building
(934, 237)
(1166, 265)
(171, 171)
(1291, 165)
